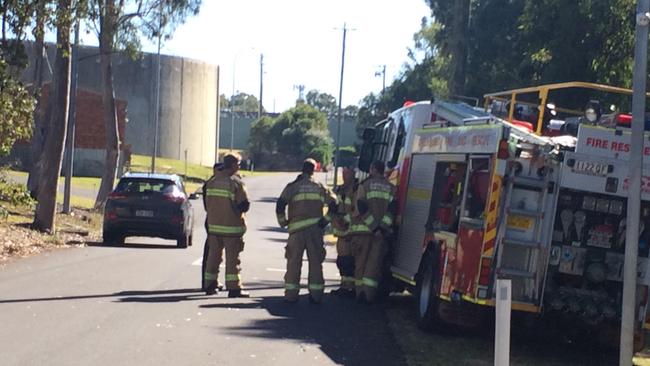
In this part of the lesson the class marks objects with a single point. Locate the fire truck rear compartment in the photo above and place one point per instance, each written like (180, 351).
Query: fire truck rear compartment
(585, 265)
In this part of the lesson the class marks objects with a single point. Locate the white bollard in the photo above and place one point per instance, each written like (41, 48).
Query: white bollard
(502, 323)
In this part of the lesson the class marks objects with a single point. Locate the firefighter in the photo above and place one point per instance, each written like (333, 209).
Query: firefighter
(215, 168)
(226, 202)
(340, 223)
(370, 226)
(305, 198)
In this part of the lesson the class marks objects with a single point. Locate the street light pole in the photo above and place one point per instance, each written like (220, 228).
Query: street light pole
(337, 155)
(157, 104)
(628, 323)
(259, 111)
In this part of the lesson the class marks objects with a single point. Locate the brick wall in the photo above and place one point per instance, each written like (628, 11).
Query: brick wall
(90, 132)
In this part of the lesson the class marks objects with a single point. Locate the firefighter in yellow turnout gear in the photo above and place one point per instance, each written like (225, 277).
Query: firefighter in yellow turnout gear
(305, 198)
(340, 224)
(226, 201)
(372, 222)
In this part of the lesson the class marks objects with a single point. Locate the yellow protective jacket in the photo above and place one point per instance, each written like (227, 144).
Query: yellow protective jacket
(306, 199)
(375, 206)
(225, 201)
(345, 195)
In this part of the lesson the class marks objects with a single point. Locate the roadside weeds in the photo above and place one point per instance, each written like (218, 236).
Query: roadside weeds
(17, 240)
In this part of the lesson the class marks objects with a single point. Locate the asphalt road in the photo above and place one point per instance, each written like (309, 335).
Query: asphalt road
(140, 305)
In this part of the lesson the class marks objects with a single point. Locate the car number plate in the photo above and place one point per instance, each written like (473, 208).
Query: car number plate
(144, 213)
(520, 222)
(590, 168)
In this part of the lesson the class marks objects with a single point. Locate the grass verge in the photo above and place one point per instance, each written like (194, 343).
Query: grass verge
(18, 240)
(451, 346)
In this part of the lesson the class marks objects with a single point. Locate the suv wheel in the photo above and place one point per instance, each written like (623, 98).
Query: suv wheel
(183, 240)
(112, 238)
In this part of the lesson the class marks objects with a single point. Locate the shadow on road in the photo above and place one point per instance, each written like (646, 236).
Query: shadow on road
(277, 240)
(267, 199)
(188, 292)
(273, 229)
(157, 296)
(347, 332)
(133, 246)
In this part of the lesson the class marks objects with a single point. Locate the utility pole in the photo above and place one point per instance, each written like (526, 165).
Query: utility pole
(301, 91)
(628, 322)
(157, 104)
(382, 73)
(259, 111)
(218, 119)
(337, 154)
(72, 117)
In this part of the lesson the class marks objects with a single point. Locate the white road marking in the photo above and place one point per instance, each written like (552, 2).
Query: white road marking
(276, 270)
(199, 262)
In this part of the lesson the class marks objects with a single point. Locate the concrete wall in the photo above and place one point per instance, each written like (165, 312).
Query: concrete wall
(243, 124)
(188, 100)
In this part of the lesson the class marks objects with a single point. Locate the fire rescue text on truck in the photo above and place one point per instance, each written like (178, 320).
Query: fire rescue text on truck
(538, 198)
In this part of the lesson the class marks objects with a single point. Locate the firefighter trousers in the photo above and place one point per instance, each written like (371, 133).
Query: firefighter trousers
(369, 252)
(311, 240)
(345, 262)
(233, 247)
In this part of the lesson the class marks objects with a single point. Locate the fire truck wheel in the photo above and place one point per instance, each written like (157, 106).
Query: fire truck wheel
(427, 291)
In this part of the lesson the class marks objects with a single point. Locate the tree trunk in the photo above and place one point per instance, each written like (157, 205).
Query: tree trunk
(58, 121)
(106, 45)
(40, 128)
(458, 46)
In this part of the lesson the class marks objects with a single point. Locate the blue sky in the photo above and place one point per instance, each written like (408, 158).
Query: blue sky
(301, 42)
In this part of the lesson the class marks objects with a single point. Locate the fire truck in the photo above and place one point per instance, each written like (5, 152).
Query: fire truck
(524, 189)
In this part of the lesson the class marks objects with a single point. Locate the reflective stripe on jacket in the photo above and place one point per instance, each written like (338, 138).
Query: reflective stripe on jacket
(345, 195)
(305, 198)
(223, 194)
(375, 194)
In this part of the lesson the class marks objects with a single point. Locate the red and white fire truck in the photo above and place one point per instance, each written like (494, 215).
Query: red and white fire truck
(483, 197)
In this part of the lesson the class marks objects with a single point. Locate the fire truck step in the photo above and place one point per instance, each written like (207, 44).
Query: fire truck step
(536, 214)
(530, 182)
(509, 272)
(522, 243)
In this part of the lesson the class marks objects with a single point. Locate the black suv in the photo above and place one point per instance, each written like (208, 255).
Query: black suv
(145, 204)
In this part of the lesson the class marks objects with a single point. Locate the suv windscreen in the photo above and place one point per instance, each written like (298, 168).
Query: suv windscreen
(135, 186)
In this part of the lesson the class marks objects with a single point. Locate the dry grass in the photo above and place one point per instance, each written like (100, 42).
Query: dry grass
(18, 240)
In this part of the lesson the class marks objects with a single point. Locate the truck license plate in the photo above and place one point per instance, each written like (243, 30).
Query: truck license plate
(590, 168)
(520, 222)
(144, 213)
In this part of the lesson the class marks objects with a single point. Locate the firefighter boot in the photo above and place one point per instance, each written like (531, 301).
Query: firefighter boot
(346, 269)
(238, 293)
(212, 289)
